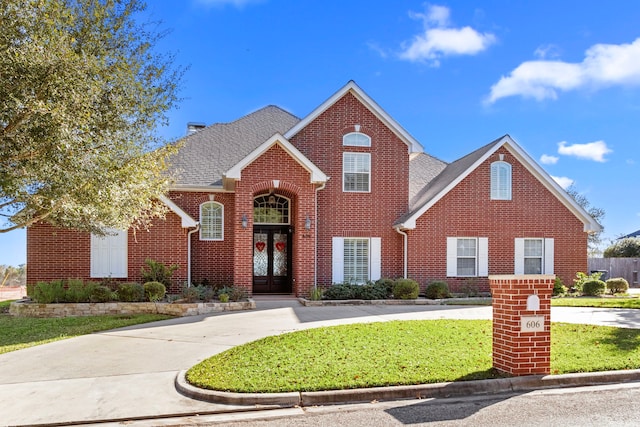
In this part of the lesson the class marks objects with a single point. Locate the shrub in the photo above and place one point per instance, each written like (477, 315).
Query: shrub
(316, 294)
(102, 293)
(594, 288)
(235, 293)
(582, 278)
(157, 272)
(617, 285)
(47, 293)
(628, 247)
(371, 291)
(559, 289)
(76, 291)
(154, 291)
(388, 284)
(437, 290)
(405, 289)
(130, 292)
(223, 297)
(342, 291)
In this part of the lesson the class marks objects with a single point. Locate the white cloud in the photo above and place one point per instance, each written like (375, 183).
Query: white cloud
(591, 151)
(549, 160)
(604, 65)
(439, 39)
(547, 51)
(563, 181)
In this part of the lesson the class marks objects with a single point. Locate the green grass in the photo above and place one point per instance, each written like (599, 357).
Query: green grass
(603, 302)
(399, 353)
(22, 332)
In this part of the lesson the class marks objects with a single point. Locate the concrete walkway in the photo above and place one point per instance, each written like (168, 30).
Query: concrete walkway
(129, 373)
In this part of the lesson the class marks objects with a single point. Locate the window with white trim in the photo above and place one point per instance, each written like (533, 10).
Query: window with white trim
(356, 259)
(356, 139)
(467, 256)
(534, 256)
(500, 181)
(109, 255)
(356, 172)
(211, 221)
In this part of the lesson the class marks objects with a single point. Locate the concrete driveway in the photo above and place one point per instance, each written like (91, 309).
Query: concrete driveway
(129, 373)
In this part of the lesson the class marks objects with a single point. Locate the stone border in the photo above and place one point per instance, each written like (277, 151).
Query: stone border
(421, 391)
(418, 301)
(26, 308)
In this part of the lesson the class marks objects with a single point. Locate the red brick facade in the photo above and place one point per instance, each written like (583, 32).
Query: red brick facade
(468, 211)
(465, 211)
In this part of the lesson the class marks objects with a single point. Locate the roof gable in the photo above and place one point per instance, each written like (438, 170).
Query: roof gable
(351, 87)
(235, 172)
(187, 220)
(457, 171)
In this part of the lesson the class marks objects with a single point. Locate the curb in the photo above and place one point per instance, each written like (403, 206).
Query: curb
(421, 391)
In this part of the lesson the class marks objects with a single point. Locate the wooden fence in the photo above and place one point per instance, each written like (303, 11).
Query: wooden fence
(617, 267)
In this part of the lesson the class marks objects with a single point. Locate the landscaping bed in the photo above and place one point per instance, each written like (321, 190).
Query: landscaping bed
(27, 308)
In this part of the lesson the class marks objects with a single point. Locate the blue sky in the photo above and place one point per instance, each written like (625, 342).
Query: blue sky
(562, 78)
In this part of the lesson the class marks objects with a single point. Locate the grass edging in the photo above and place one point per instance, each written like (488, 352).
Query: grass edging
(420, 391)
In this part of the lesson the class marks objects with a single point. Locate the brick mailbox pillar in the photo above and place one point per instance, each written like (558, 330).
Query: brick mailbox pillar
(522, 323)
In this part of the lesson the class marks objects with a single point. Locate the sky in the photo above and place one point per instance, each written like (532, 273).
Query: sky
(561, 78)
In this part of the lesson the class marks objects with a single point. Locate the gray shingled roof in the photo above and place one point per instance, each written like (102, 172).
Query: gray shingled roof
(210, 152)
(634, 234)
(423, 168)
(446, 177)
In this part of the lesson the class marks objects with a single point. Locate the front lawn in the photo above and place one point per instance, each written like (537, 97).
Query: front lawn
(399, 353)
(602, 302)
(22, 332)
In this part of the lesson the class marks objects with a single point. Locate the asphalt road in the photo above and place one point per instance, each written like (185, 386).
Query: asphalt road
(598, 406)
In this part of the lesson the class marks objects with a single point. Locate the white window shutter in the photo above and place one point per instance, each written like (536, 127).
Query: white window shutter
(375, 258)
(452, 256)
(118, 255)
(519, 256)
(548, 256)
(483, 256)
(337, 259)
(109, 255)
(99, 256)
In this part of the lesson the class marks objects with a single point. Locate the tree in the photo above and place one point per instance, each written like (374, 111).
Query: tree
(594, 239)
(624, 248)
(13, 276)
(83, 92)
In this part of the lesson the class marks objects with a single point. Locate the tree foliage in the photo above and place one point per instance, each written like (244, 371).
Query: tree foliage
(13, 276)
(624, 248)
(594, 239)
(83, 92)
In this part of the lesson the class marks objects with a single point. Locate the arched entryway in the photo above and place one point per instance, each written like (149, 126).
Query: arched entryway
(272, 244)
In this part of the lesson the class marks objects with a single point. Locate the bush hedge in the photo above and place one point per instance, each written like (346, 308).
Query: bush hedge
(594, 288)
(437, 290)
(617, 285)
(405, 289)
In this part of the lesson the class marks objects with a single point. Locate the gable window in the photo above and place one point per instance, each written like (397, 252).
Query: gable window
(356, 172)
(533, 256)
(356, 259)
(467, 256)
(211, 221)
(500, 181)
(109, 255)
(356, 139)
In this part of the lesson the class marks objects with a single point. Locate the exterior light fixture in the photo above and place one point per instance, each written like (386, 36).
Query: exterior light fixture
(307, 223)
(245, 221)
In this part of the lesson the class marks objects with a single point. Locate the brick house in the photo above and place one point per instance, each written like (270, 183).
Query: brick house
(279, 204)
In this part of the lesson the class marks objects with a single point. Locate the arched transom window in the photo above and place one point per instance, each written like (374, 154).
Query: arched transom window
(270, 209)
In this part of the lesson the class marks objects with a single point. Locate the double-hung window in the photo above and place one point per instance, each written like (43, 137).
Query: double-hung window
(356, 172)
(467, 256)
(211, 221)
(533, 256)
(500, 181)
(356, 259)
